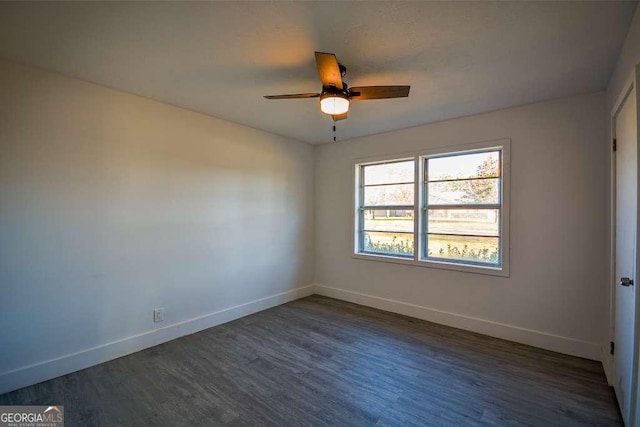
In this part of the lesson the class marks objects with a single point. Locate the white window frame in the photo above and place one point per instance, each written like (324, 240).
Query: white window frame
(361, 207)
(504, 145)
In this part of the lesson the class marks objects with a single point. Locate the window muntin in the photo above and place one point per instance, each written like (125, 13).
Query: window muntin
(456, 218)
(462, 208)
(386, 209)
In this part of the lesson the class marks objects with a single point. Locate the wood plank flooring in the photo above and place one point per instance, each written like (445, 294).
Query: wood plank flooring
(319, 361)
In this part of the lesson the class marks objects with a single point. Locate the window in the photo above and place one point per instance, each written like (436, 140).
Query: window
(387, 208)
(455, 216)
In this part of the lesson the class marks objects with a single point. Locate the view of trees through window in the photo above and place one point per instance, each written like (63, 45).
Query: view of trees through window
(387, 215)
(463, 207)
(460, 212)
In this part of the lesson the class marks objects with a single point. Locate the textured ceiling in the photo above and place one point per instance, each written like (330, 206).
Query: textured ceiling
(220, 58)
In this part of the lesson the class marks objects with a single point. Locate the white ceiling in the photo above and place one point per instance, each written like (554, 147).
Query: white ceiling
(219, 58)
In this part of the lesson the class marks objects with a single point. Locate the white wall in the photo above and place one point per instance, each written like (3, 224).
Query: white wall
(629, 57)
(112, 205)
(553, 297)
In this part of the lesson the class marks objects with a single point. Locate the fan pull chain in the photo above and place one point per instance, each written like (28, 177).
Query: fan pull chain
(334, 131)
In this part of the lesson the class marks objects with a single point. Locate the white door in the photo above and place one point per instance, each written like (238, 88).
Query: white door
(626, 220)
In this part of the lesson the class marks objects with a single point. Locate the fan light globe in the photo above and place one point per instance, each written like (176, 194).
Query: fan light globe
(334, 104)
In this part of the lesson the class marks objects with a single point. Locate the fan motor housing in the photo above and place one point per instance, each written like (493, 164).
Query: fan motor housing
(332, 90)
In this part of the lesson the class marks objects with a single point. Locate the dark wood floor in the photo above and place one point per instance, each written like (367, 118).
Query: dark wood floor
(319, 361)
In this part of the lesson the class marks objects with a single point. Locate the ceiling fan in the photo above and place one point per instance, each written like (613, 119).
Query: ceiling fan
(336, 95)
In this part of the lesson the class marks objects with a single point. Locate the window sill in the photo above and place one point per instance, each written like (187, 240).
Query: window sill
(465, 268)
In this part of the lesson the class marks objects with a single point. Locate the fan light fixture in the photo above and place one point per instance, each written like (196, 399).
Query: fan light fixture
(336, 95)
(334, 104)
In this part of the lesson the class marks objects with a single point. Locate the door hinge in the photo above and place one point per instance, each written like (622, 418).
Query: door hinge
(612, 347)
(614, 145)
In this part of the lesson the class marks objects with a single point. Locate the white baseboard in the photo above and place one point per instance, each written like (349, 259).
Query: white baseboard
(560, 344)
(607, 364)
(42, 371)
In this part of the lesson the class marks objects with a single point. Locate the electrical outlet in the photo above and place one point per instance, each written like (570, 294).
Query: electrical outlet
(158, 315)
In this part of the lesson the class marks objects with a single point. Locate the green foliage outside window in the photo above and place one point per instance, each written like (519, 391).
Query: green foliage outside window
(395, 247)
(404, 247)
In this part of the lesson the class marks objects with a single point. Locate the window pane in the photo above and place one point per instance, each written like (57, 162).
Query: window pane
(388, 243)
(382, 195)
(389, 173)
(388, 220)
(476, 249)
(479, 191)
(465, 166)
(484, 222)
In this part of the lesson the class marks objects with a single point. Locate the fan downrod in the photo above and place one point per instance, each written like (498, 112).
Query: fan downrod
(343, 69)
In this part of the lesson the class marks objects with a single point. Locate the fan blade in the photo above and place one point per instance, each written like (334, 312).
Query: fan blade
(337, 117)
(293, 96)
(329, 69)
(378, 92)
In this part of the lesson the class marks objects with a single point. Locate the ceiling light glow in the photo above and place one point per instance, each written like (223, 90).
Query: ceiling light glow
(334, 104)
